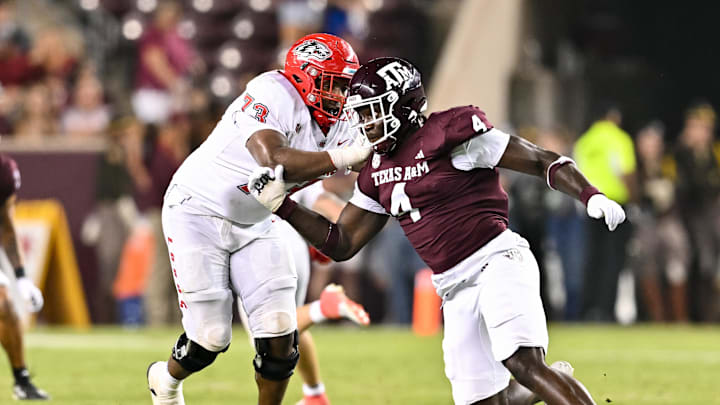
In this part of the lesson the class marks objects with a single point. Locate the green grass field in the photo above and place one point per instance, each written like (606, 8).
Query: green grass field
(633, 365)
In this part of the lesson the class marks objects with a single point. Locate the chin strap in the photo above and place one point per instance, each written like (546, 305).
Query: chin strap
(321, 119)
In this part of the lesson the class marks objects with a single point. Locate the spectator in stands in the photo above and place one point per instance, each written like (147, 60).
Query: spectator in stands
(296, 19)
(606, 155)
(15, 65)
(107, 228)
(391, 254)
(346, 19)
(87, 115)
(659, 250)
(527, 213)
(565, 231)
(38, 119)
(165, 61)
(698, 190)
(168, 150)
(55, 53)
(16, 69)
(9, 108)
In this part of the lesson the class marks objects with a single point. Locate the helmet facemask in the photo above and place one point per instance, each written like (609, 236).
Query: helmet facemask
(372, 110)
(322, 98)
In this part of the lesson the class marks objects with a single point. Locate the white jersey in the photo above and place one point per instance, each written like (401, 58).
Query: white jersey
(216, 174)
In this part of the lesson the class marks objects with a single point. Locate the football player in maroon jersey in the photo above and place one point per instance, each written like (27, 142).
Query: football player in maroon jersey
(10, 326)
(438, 176)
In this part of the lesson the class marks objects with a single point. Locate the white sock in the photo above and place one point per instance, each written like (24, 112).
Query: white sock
(316, 314)
(309, 391)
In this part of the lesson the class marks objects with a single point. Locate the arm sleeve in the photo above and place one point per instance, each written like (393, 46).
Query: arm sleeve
(481, 151)
(361, 200)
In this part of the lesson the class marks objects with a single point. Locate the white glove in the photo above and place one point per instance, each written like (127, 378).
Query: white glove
(599, 206)
(31, 294)
(267, 186)
(350, 156)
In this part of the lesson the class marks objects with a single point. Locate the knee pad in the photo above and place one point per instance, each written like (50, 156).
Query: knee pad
(191, 356)
(215, 335)
(272, 367)
(278, 322)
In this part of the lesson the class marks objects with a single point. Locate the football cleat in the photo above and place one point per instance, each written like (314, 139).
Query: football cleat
(29, 392)
(334, 304)
(161, 391)
(563, 367)
(320, 399)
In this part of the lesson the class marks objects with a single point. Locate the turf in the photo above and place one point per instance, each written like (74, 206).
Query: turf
(624, 365)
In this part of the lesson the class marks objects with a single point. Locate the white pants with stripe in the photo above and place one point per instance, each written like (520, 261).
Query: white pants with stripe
(212, 258)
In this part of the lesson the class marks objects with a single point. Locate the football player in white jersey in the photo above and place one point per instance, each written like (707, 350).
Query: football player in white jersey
(221, 240)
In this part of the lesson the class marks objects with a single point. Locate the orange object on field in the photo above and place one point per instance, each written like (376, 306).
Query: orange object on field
(426, 305)
(135, 263)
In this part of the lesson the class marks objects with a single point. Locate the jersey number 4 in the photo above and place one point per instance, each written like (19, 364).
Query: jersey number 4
(478, 124)
(261, 111)
(400, 203)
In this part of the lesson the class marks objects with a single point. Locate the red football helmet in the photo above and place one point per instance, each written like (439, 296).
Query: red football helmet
(313, 65)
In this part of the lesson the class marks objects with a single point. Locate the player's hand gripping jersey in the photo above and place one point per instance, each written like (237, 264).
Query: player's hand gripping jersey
(442, 185)
(216, 174)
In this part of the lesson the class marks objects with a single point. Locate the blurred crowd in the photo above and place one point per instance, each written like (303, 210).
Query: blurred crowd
(149, 78)
(668, 186)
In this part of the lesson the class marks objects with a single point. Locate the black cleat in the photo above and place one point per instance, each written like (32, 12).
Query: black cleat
(29, 392)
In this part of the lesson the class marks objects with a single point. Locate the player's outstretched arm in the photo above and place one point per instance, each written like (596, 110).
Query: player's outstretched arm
(526, 157)
(560, 173)
(270, 148)
(340, 240)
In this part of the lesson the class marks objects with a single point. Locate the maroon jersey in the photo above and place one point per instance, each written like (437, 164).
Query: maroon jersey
(9, 178)
(446, 213)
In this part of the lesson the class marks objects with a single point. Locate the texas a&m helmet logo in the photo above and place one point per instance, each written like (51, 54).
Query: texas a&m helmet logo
(312, 49)
(396, 75)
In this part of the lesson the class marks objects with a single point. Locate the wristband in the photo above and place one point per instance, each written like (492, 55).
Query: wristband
(554, 166)
(336, 158)
(286, 208)
(19, 272)
(588, 192)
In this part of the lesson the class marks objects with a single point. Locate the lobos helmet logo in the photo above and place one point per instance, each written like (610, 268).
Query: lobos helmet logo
(395, 74)
(312, 49)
